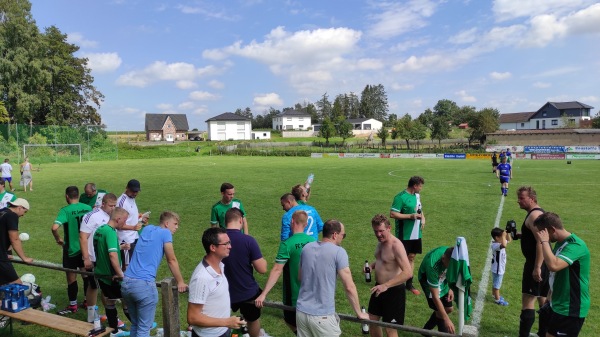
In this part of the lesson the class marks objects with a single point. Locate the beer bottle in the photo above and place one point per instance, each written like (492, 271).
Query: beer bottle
(367, 271)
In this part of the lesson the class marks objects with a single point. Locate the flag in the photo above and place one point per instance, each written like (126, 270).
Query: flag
(459, 269)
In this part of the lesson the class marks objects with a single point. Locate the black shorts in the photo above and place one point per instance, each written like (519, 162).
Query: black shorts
(290, 317)
(7, 273)
(413, 246)
(249, 310)
(92, 280)
(72, 262)
(559, 325)
(111, 291)
(531, 287)
(389, 305)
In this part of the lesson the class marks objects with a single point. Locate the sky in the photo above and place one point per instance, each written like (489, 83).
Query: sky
(204, 58)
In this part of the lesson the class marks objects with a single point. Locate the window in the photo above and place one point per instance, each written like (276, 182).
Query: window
(289, 119)
(367, 127)
(300, 126)
(289, 127)
(555, 122)
(572, 120)
(301, 119)
(522, 125)
(221, 126)
(241, 126)
(544, 114)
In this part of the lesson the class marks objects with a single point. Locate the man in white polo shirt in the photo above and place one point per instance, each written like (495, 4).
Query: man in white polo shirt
(128, 234)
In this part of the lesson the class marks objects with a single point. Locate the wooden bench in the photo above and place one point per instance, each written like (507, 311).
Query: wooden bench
(52, 321)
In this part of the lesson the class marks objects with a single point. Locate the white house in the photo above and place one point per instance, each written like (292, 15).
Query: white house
(551, 115)
(292, 120)
(229, 126)
(261, 134)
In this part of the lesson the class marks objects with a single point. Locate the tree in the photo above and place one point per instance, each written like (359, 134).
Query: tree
(373, 102)
(344, 129)
(440, 129)
(391, 121)
(596, 122)
(426, 118)
(463, 115)
(446, 109)
(327, 130)
(567, 122)
(482, 122)
(419, 132)
(383, 135)
(325, 107)
(3, 114)
(404, 129)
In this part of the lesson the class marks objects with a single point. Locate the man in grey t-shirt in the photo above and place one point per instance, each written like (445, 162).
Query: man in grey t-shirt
(320, 263)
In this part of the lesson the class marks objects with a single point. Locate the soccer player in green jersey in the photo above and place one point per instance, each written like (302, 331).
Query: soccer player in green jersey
(407, 211)
(69, 218)
(432, 277)
(569, 265)
(91, 196)
(288, 261)
(217, 214)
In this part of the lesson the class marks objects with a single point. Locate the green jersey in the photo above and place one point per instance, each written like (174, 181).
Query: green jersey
(433, 273)
(5, 197)
(217, 214)
(106, 241)
(93, 201)
(289, 254)
(69, 217)
(407, 203)
(570, 286)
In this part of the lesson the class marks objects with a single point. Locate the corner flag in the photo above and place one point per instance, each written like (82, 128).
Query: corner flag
(459, 275)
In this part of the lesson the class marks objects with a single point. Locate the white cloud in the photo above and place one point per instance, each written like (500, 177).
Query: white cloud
(409, 44)
(211, 13)
(216, 84)
(402, 87)
(398, 18)
(428, 63)
(500, 76)
(183, 74)
(214, 54)
(164, 106)
(465, 97)
(78, 39)
(369, 64)
(511, 9)
(184, 84)
(268, 100)
(103, 62)
(203, 96)
(465, 37)
(200, 111)
(186, 105)
(589, 99)
(558, 71)
(542, 85)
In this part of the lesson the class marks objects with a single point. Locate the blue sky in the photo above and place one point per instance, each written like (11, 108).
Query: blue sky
(203, 58)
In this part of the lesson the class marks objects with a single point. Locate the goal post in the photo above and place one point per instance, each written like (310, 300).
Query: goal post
(52, 150)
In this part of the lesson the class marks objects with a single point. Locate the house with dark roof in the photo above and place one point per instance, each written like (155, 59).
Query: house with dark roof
(167, 127)
(551, 115)
(229, 126)
(292, 120)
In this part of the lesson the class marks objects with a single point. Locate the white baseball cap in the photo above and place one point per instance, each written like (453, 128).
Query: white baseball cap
(20, 202)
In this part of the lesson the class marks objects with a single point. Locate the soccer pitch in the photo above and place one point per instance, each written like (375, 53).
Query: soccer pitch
(460, 198)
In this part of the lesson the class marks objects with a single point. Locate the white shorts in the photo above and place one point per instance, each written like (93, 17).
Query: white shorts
(317, 326)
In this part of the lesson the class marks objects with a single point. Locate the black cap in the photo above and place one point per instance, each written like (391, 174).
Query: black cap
(134, 185)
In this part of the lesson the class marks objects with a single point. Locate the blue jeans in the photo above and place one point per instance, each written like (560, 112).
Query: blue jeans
(141, 298)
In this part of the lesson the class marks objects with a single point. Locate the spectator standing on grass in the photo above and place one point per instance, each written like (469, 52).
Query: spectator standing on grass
(217, 213)
(432, 277)
(410, 221)
(501, 239)
(392, 270)
(9, 237)
(108, 268)
(139, 284)
(91, 196)
(208, 309)
(290, 205)
(70, 218)
(129, 233)
(245, 257)
(6, 173)
(569, 265)
(494, 162)
(5, 196)
(26, 177)
(504, 173)
(320, 265)
(287, 262)
(535, 274)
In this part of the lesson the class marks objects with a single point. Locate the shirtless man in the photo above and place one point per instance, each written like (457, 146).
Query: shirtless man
(392, 270)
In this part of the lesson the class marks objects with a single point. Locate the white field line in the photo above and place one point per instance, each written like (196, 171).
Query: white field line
(485, 275)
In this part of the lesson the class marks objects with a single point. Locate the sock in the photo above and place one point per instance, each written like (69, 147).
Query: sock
(126, 312)
(506, 190)
(441, 325)
(72, 293)
(431, 322)
(526, 322)
(543, 323)
(409, 283)
(111, 316)
(90, 313)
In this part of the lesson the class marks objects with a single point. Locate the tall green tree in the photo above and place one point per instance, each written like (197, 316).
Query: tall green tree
(327, 130)
(596, 122)
(482, 122)
(446, 109)
(3, 114)
(403, 129)
(374, 103)
(426, 118)
(344, 129)
(325, 107)
(419, 131)
(440, 129)
(383, 134)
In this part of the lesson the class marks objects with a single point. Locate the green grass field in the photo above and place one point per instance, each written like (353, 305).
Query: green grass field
(460, 198)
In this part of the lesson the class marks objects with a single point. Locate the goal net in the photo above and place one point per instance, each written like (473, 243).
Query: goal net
(47, 153)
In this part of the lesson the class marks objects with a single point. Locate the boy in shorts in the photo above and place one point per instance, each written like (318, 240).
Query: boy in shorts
(498, 263)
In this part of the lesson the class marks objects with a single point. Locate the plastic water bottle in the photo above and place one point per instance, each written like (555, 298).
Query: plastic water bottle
(365, 327)
(97, 324)
(309, 181)
(367, 271)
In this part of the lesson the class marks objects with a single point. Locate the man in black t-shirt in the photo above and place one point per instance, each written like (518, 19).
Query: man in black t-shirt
(9, 236)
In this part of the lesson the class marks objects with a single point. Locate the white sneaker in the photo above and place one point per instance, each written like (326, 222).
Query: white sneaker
(263, 333)
(120, 333)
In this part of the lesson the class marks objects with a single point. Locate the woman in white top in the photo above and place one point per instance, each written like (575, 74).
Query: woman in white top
(26, 178)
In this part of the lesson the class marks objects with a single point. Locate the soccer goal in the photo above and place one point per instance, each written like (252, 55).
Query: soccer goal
(53, 152)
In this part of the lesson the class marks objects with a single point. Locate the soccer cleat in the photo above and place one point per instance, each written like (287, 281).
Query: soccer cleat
(120, 323)
(120, 333)
(83, 305)
(501, 302)
(68, 310)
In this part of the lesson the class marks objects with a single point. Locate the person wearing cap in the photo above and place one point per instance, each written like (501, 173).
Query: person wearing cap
(128, 233)
(6, 173)
(9, 236)
(69, 218)
(5, 196)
